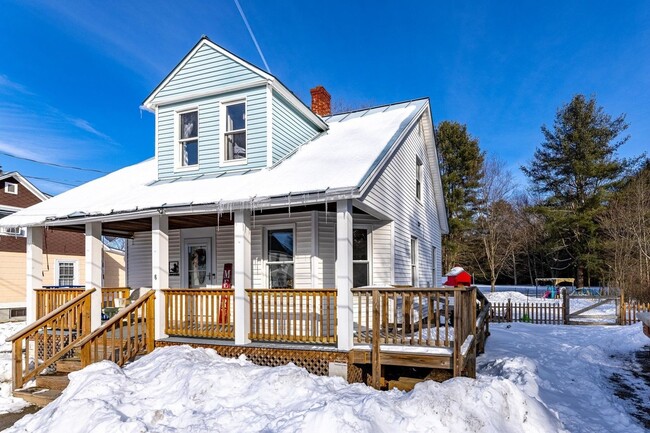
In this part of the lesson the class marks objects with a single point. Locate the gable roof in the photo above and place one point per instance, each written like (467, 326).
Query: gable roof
(24, 182)
(150, 104)
(335, 165)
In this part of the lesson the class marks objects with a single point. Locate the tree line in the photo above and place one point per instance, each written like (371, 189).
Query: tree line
(584, 213)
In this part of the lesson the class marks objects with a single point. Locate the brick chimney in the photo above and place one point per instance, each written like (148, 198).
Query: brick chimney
(321, 101)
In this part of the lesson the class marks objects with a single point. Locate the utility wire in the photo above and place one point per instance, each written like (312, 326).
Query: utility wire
(53, 164)
(50, 180)
(250, 30)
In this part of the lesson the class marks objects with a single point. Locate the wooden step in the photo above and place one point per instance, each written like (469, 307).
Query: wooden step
(53, 381)
(68, 365)
(39, 396)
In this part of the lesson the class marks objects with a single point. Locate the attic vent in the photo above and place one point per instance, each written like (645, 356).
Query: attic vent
(11, 188)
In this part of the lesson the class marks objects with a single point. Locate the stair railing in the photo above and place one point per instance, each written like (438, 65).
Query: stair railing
(50, 338)
(126, 335)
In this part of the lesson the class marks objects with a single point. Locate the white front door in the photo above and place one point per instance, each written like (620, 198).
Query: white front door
(197, 263)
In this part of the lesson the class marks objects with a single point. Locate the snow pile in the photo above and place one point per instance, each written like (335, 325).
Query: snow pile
(7, 402)
(180, 389)
(502, 297)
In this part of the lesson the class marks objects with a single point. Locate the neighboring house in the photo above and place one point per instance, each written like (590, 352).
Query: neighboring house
(245, 174)
(64, 263)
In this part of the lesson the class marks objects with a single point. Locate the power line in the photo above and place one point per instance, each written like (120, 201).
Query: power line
(52, 164)
(50, 180)
(250, 30)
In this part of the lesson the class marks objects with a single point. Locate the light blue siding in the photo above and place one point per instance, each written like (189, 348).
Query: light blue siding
(207, 70)
(290, 128)
(210, 134)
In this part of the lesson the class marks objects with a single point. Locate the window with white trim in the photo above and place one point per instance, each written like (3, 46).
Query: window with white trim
(414, 262)
(11, 188)
(13, 231)
(234, 137)
(434, 271)
(65, 273)
(360, 258)
(280, 258)
(418, 178)
(188, 138)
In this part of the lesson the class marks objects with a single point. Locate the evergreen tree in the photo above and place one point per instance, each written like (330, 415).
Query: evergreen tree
(461, 166)
(574, 169)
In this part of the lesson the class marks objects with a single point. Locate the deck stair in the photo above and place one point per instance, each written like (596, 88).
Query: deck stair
(49, 386)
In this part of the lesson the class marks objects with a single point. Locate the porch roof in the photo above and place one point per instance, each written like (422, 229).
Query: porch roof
(332, 166)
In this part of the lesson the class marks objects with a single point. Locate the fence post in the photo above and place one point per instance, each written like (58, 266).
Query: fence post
(508, 311)
(376, 361)
(565, 306)
(621, 310)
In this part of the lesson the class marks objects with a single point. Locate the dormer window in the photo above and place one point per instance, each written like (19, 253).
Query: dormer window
(188, 142)
(234, 138)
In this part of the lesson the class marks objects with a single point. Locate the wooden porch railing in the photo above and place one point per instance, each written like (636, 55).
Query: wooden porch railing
(50, 338)
(48, 300)
(206, 313)
(465, 331)
(109, 294)
(126, 335)
(293, 315)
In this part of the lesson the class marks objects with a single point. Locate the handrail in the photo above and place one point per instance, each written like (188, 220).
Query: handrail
(44, 319)
(137, 320)
(48, 300)
(109, 294)
(411, 289)
(53, 336)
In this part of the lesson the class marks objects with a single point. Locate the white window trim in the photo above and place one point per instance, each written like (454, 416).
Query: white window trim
(414, 259)
(75, 277)
(18, 232)
(265, 252)
(434, 267)
(11, 188)
(178, 166)
(419, 166)
(222, 133)
(368, 229)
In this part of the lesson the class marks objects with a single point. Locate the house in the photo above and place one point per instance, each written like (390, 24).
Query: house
(304, 213)
(64, 251)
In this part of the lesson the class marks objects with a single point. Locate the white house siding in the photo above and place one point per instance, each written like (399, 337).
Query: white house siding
(225, 249)
(207, 70)
(326, 259)
(393, 194)
(138, 257)
(175, 255)
(290, 128)
(210, 135)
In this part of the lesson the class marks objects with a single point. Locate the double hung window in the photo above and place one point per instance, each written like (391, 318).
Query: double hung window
(360, 258)
(280, 256)
(235, 132)
(414, 262)
(66, 275)
(189, 138)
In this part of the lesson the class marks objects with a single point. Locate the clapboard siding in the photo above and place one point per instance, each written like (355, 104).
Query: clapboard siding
(139, 260)
(225, 250)
(210, 135)
(394, 194)
(175, 255)
(290, 128)
(327, 249)
(207, 70)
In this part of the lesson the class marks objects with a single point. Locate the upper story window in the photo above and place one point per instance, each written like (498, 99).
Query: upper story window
(418, 178)
(11, 188)
(235, 132)
(14, 231)
(189, 138)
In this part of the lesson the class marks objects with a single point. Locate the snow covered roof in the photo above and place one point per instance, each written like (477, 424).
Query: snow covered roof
(333, 166)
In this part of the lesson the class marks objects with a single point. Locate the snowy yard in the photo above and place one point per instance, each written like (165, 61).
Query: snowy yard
(533, 378)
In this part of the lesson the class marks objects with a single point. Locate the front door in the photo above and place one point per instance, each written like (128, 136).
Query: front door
(198, 262)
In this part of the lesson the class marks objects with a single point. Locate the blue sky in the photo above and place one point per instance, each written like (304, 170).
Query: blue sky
(73, 73)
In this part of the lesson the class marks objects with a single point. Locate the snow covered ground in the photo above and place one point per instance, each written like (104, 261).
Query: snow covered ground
(7, 402)
(533, 378)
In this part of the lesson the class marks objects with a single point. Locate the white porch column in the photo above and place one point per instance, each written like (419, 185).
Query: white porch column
(94, 251)
(160, 268)
(344, 273)
(34, 269)
(243, 272)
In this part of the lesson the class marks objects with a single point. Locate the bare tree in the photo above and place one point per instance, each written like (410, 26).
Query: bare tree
(496, 235)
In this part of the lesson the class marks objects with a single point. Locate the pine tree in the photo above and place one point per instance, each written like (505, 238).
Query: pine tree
(574, 169)
(461, 166)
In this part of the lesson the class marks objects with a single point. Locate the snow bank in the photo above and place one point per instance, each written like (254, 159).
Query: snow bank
(7, 402)
(180, 389)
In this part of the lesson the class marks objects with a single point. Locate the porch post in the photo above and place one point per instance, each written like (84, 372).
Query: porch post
(344, 273)
(94, 251)
(160, 268)
(243, 271)
(34, 269)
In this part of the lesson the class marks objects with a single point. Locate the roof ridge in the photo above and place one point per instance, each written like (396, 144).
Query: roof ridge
(405, 101)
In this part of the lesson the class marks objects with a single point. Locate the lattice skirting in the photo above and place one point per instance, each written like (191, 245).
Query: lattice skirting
(314, 361)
